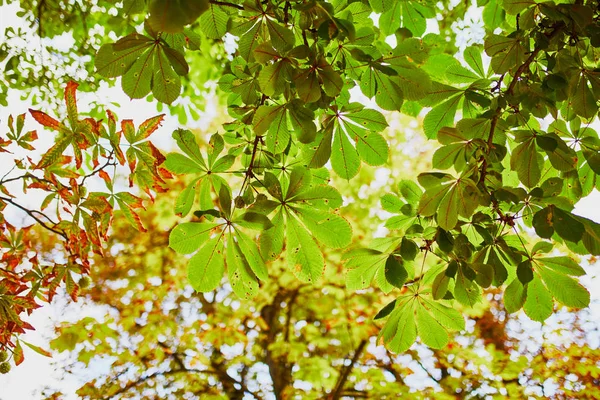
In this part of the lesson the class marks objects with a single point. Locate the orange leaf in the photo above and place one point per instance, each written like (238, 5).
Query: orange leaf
(104, 175)
(18, 354)
(148, 127)
(45, 119)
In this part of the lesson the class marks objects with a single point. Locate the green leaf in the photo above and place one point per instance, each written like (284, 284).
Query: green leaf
(242, 280)
(264, 117)
(252, 255)
(372, 148)
(514, 296)
(136, 82)
(564, 265)
(278, 135)
(448, 317)
(188, 237)
(408, 249)
(185, 199)
(213, 22)
(368, 119)
(166, 84)
(207, 266)
(583, 101)
(466, 291)
(395, 273)
(186, 141)
(431, 332)
(389, 95)
(472, 56)
(440, 285)
(528, 162)
(493, 15)
(385, 311)
(400, 331)
(180, 164)
(538, 304)
(344, 157)
(525, 272)
(410, 191)
(440, 116)
(391, 203)
(363, 264)
(271, 240)
(329, 229)
(173, 15)
(508, 53)
(304, 256)
(447, 216)
(566, 226)
(430, 200)
(113, 60)
(565, 289)
(282, 38)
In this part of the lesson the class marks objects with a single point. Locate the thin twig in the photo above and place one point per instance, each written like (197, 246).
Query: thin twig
(31, 213)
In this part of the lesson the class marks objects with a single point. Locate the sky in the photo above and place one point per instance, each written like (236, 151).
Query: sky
(27, 380)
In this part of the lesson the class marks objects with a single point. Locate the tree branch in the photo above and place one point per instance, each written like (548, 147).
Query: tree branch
(345, 373)
(31, 213)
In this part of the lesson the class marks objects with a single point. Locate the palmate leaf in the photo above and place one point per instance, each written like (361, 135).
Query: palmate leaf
(449, 200)
(355, 134)
(239, 252)
(416, 314)
(145, 64)
(407, 14)
(193, 162)
(304, 208)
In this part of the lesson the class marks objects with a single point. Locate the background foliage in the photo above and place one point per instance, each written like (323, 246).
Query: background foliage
(280, 198)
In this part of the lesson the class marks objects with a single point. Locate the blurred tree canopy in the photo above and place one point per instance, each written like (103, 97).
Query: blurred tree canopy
(387, 185)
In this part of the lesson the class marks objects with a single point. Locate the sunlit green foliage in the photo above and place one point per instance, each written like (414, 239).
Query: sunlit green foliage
(513, 117)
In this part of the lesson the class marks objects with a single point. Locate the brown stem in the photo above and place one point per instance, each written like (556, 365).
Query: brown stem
(109, 162)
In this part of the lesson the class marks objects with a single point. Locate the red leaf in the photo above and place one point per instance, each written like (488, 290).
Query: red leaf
(45, 119)
(158, 156)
